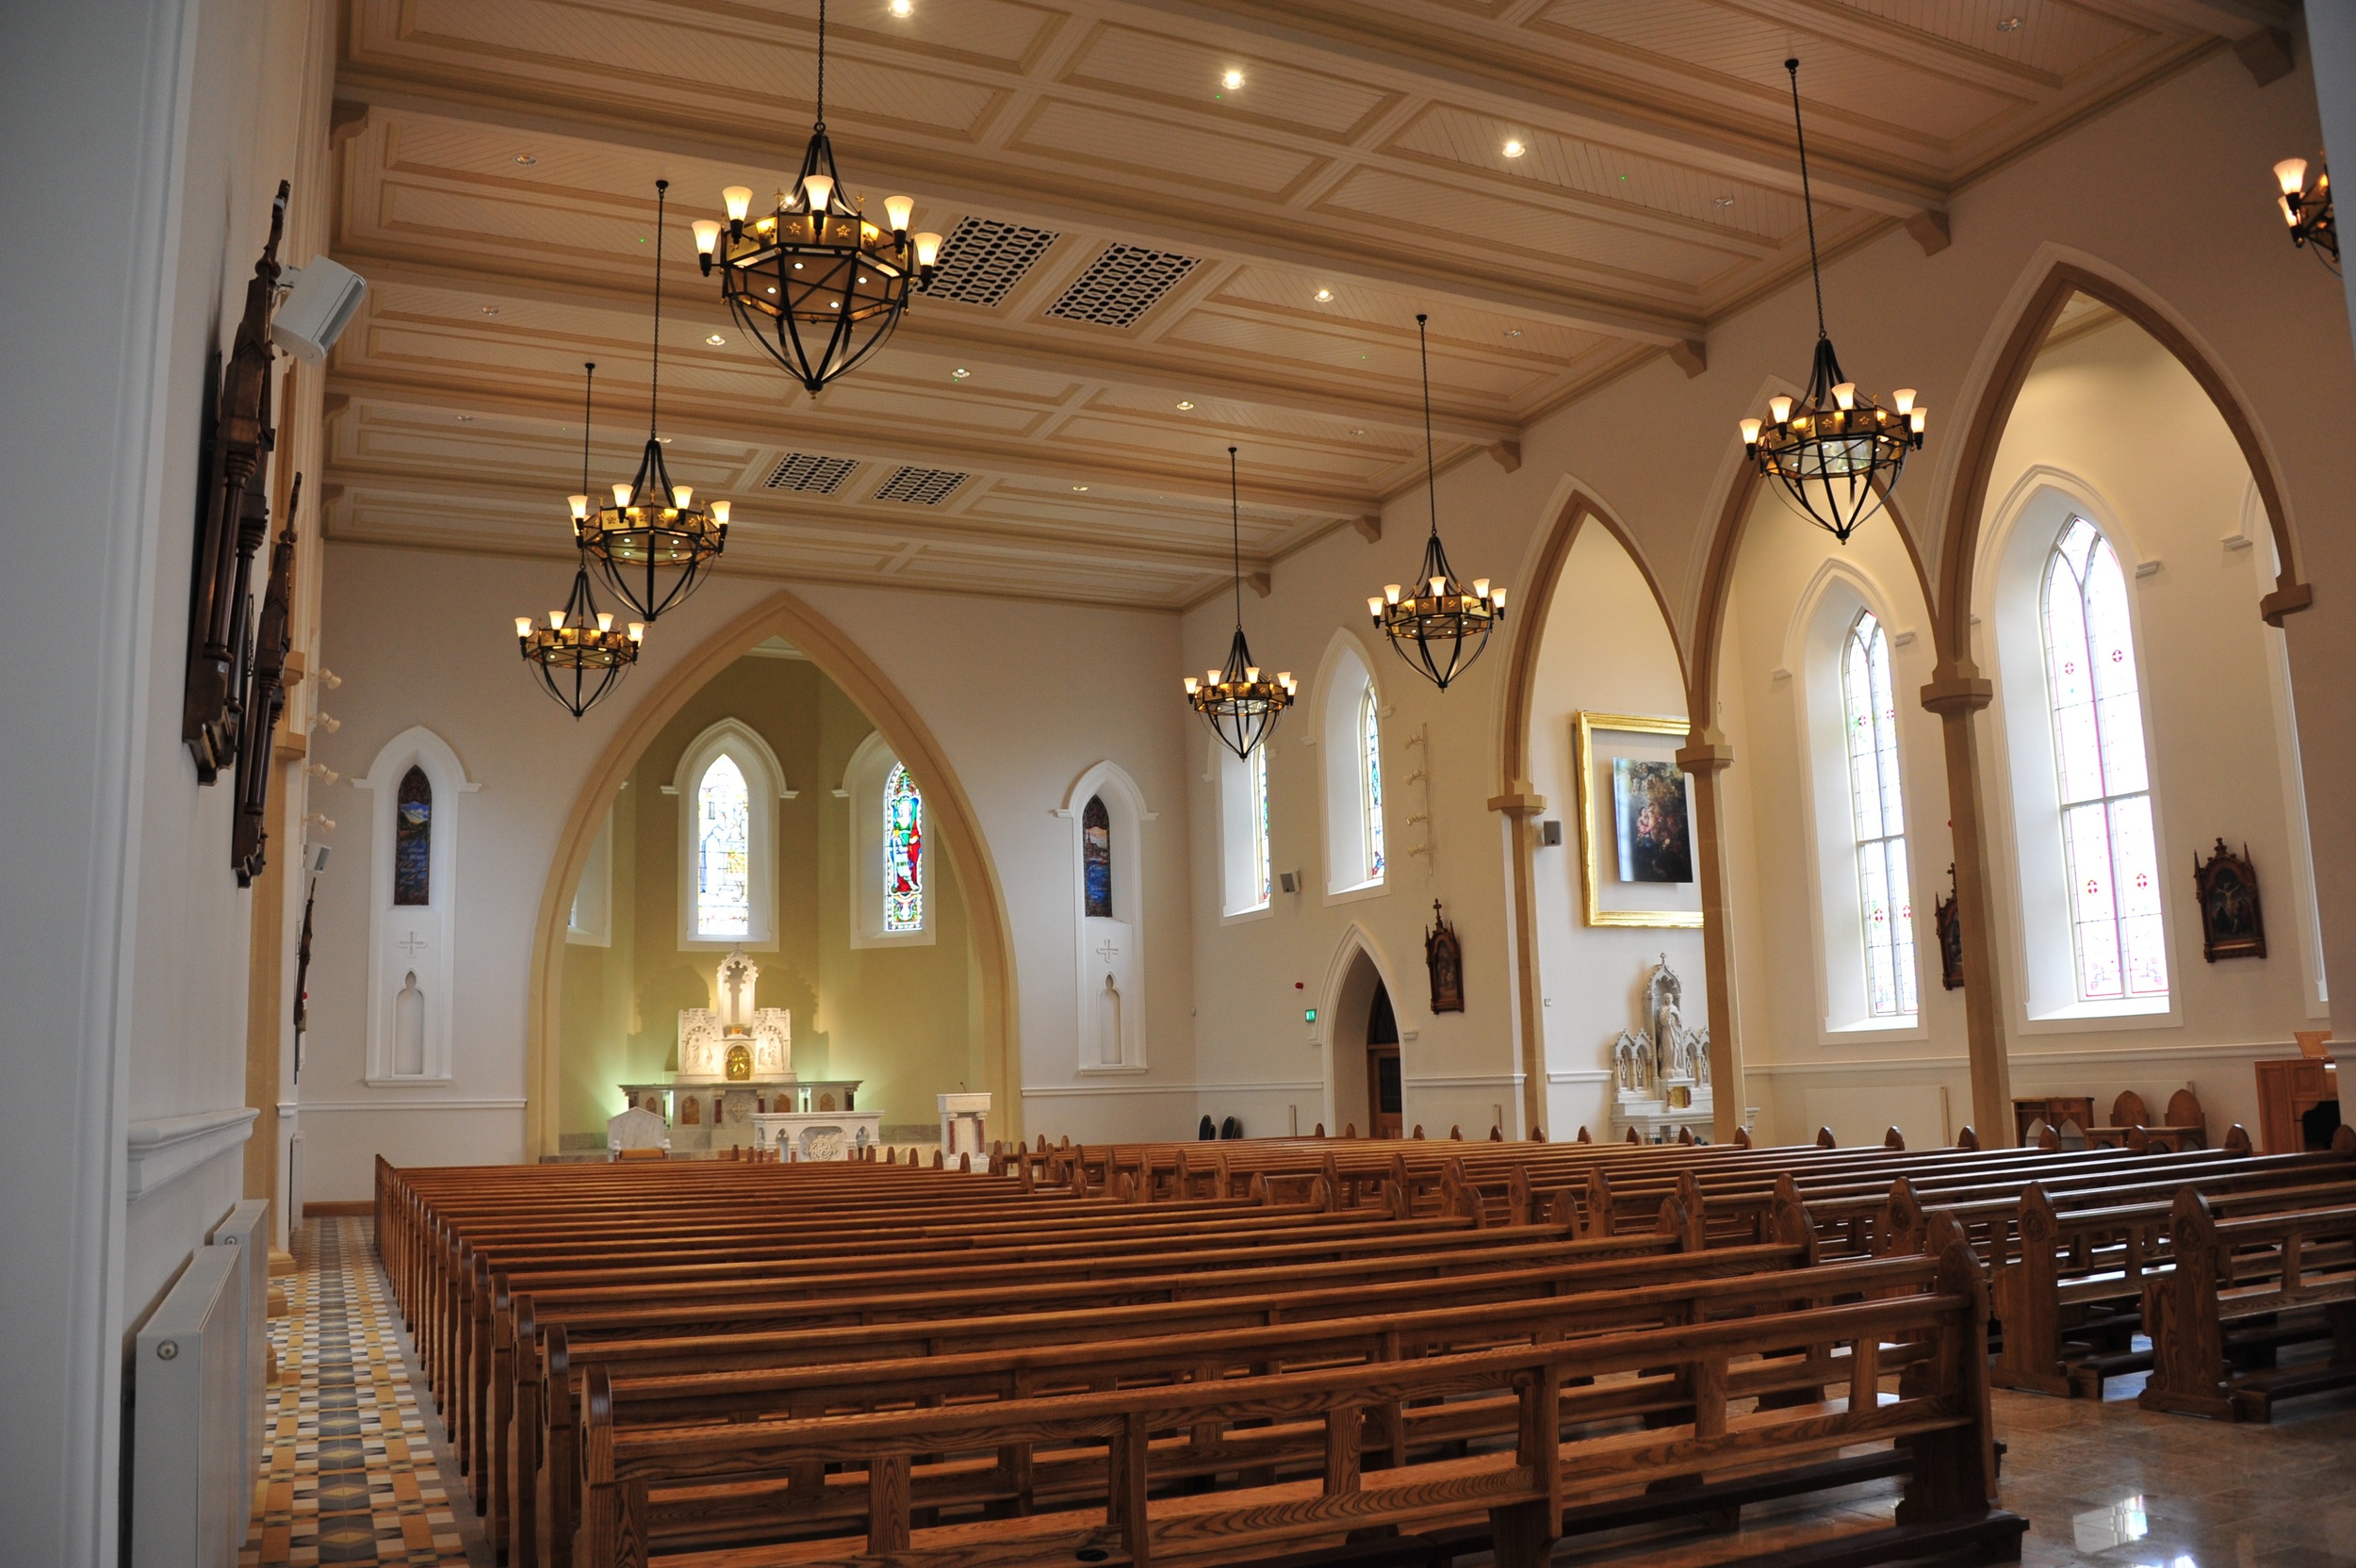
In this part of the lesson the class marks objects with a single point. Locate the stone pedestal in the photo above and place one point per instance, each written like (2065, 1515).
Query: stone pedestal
(816, 1134)
(637, 1128)
(964, 1129)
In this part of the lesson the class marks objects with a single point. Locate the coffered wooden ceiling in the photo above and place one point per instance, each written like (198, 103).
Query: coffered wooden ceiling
(1273, 242)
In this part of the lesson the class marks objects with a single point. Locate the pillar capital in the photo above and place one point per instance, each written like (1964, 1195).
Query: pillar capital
(1705, 751)
(1958, 694)
(1519, 800)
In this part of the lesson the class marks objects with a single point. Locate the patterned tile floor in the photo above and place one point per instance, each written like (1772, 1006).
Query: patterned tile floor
(355, 1469)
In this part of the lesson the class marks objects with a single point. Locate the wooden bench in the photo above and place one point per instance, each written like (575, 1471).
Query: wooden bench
(2228, 1270)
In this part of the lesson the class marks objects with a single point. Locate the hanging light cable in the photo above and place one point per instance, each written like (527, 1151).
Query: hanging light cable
(1438, 626)
(815, 283)
(1241, 709)
(579, 656)
(653, 543)
(1837, 453)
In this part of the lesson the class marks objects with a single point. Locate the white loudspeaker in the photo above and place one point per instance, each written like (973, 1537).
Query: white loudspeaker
(320, 304)
(1289, 881)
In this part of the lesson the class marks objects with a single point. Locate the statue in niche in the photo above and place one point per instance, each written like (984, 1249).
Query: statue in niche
(1661, 1061)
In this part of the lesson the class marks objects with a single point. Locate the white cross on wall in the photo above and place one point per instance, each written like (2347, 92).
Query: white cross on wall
(1108, 951)
(411, 943)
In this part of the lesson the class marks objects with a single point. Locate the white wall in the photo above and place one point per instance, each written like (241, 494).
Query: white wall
(164, 126)
(426, 638)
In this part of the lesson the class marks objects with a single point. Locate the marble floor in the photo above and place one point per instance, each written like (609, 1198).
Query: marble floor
(358, 1473)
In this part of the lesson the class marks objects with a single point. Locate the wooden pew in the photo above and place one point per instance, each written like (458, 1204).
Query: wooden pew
(2229, 1271)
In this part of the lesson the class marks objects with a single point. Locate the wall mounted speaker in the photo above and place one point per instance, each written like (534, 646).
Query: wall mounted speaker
(320, 302)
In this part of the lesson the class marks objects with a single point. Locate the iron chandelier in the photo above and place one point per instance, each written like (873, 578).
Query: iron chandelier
(815, 283)
(2307, 209)
(1241, 708)
(579, 656)
(653, 542)
(1433, 624)
(1837, 453)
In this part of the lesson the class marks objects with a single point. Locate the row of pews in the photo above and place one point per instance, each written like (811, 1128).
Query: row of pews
(1323, 1350)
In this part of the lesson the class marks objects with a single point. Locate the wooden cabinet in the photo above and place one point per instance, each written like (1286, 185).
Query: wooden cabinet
(2287, 1090)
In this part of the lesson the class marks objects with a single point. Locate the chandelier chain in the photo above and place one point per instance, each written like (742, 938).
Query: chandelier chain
(1430, 468)
(1235, 519)
(588, 390)
(654, 382)
(821, 124)
(1808, 203)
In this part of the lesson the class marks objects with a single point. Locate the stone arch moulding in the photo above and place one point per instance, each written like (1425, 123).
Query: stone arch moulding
(1356, 939)
(2035, 302)
(1572, 508)
(1125, 813)
(948, 808)
(412, 948)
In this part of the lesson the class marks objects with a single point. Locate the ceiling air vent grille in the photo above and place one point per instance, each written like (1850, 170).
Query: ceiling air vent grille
(1123, 284)
(921, 486)
(984, 258)
(813, 476)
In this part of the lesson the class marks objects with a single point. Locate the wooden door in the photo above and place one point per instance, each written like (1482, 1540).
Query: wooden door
(1382, 1091)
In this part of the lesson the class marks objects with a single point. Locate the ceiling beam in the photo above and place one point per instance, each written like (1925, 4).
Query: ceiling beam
(938, 330)
(810, 427)
(1216, 231)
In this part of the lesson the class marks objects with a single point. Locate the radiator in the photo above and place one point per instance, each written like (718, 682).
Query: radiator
(192, 1473)
(247, 1228)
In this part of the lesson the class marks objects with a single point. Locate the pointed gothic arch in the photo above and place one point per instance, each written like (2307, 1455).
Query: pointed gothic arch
(950, 811)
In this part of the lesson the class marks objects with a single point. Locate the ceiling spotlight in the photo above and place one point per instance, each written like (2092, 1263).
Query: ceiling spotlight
(490, 310)
(2010, 24)
(1357, 429)
(903, 8)
(1513, 332)
(1722, 201)
(1080, 488)
(466, 418)
(1232, 80)
(1514, 149)
(1324, 296)
(959, 373)
(1184, 405)
(525, 159)
(716, 340)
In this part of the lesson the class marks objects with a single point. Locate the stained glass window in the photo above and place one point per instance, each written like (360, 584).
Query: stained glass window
(1096, 857)
(1258, 764)
(1877, 815)
(723, 851)
(1370, 780)
(2099, 761)
(904, 852)
(412, 840)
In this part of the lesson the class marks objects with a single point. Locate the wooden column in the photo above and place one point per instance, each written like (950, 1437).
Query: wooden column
(1705, 756)
(1520, 806)
(1958, 695)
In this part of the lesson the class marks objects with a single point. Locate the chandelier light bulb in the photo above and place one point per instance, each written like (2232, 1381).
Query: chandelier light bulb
(1390, 592)
(581, 507)
(707, 237)
(1750, 431)
(1192, 685)
(899, 209)
(2292, 172)
(1497, 596)
(605, 620)
(556, 620)
(681, 495)
(523, 625)
(1439, 586)
(1779, 409)
(820, 189)
(1480, 587)
(1374, 604)
(1917, 420)
(1844, 395)
(927, 250)
(719, 511)
(621, 493)
(1903, 399)
(637, 632)
(739, 200)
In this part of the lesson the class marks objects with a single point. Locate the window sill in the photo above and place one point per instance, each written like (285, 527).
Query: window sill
(1100, 1071)
(725, 944)
(1351, 894)
(1258, 911)
(879, 939)
(1878, 1031)
(408, 1081)
(2143, 1013)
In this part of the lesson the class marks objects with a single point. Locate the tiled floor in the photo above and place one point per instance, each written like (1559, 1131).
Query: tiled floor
(357, 1470)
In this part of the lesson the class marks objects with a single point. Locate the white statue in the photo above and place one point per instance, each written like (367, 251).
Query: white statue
(737, 1040)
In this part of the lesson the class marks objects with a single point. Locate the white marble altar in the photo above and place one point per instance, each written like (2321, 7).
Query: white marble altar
(736, 1041)
(964, 1129)
(798, 1136)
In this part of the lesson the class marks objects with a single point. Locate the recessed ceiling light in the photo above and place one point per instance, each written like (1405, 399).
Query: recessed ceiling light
(2010, 24)
(1079, 487)
(490, 310)
(466, 418)
(1513, 332)
(1514, 149)
(1723, 201)
(716, 340)
(1358, 430)
(1232, 80)
(959, 373)
(1184, 405)
(525, 159)
(903, 8)
(1324, 295)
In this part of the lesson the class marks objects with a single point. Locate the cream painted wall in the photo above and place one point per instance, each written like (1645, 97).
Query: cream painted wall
(2181, 213)
(1605, 648)
(896, 1018)
(425, 637)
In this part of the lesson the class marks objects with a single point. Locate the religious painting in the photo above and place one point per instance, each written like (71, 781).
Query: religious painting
(413, 840)
(904, 852)
(1096, 858)
(2231, 923)
(1948, 922)
(1635, 821)
(1445, 961)
(1648, 811)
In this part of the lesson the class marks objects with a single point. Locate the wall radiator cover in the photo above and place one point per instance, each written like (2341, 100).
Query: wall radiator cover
(191, 1474)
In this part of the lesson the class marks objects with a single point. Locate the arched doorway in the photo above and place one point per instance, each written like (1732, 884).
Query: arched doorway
(1385, 1090)
(1360, 1031)
(950, 818)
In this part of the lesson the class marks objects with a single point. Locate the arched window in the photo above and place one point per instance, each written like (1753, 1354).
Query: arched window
(723, 851)
(904, 852)
(1257, 805)
(413, 840)
(1096, 858)
(1243, 831)
(1877, 815)
(2102, 771)
(1370, 780)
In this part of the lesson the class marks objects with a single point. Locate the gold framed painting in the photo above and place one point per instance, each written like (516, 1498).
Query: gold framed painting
(1636, 849)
